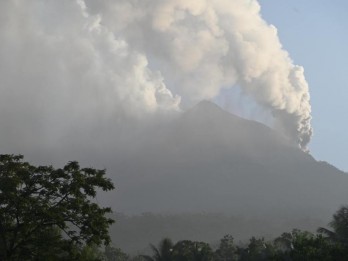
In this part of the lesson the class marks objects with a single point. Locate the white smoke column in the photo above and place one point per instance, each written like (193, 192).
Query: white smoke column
(204, 46)
(62, 71)
(68, 65)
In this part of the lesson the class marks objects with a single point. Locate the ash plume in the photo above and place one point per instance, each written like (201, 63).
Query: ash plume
(88, 63)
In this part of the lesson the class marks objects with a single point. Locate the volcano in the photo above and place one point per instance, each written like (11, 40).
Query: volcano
(210, 161)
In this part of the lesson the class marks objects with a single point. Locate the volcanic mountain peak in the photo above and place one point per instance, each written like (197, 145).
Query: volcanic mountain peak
(210, 160)
(208, 123)
(209, 110)
(206, 106)
(211, 113)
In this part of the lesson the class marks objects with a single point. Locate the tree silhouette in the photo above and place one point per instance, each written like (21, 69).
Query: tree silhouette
(38, 205)
(187, 250)
(339, 224)
(162, 253)
(227, 251)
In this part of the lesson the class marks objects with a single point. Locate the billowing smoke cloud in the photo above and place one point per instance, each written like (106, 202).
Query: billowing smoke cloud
(91, 62)
(62, 72)
(204, 46)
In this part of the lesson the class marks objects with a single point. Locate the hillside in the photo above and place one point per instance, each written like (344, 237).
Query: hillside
(210, 161)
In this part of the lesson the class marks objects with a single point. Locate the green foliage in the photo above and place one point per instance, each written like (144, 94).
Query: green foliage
(291, 246)
(184, 250)
(90, 253)
(187, 250)
(47, 208)
(258, 249)
(163, 252)
(303, 245)
(115, 254)
(307, 246)
(48, 214)
(227, 251)
(339, 224)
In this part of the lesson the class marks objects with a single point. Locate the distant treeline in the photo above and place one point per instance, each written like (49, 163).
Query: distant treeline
(296, 245)
(133, 233)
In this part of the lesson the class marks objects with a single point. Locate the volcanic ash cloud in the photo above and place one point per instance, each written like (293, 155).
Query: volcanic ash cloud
(66, 61)
(201, 47)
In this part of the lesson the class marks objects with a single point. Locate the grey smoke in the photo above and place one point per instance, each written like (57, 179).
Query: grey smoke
(73, 68)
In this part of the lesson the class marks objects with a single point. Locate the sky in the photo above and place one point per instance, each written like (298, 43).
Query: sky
(84, 73)
(314, 33)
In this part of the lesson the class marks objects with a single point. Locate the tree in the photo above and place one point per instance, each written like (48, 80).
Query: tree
(163, 252)
(339, 225)
(227, 250)
(307, 246)
(46, 208)
(187, 250)
(91, 252)
(184, 250)
(115, 254)
(257, 249)
(303, 245)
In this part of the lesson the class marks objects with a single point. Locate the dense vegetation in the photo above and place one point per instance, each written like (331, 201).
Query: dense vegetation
(299, 245)
(49, 214)
(133, 232)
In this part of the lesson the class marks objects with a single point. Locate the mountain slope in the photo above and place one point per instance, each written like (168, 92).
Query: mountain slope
(210, 160)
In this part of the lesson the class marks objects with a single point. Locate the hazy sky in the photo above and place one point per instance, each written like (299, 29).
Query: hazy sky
(315, 34)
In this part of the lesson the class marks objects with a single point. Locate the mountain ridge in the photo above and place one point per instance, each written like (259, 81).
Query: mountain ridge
(207, 160)
(207, 156)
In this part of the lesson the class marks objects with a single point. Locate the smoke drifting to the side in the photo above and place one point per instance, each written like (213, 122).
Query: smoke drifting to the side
(66, 63)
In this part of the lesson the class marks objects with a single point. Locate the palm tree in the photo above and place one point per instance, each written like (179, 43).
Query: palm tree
(162, 253)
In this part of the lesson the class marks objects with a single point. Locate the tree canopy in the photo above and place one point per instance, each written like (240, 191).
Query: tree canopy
(42, 207)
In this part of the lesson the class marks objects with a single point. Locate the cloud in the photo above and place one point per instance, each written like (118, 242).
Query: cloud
(81, 66)
(204, 46)
(63, 71)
